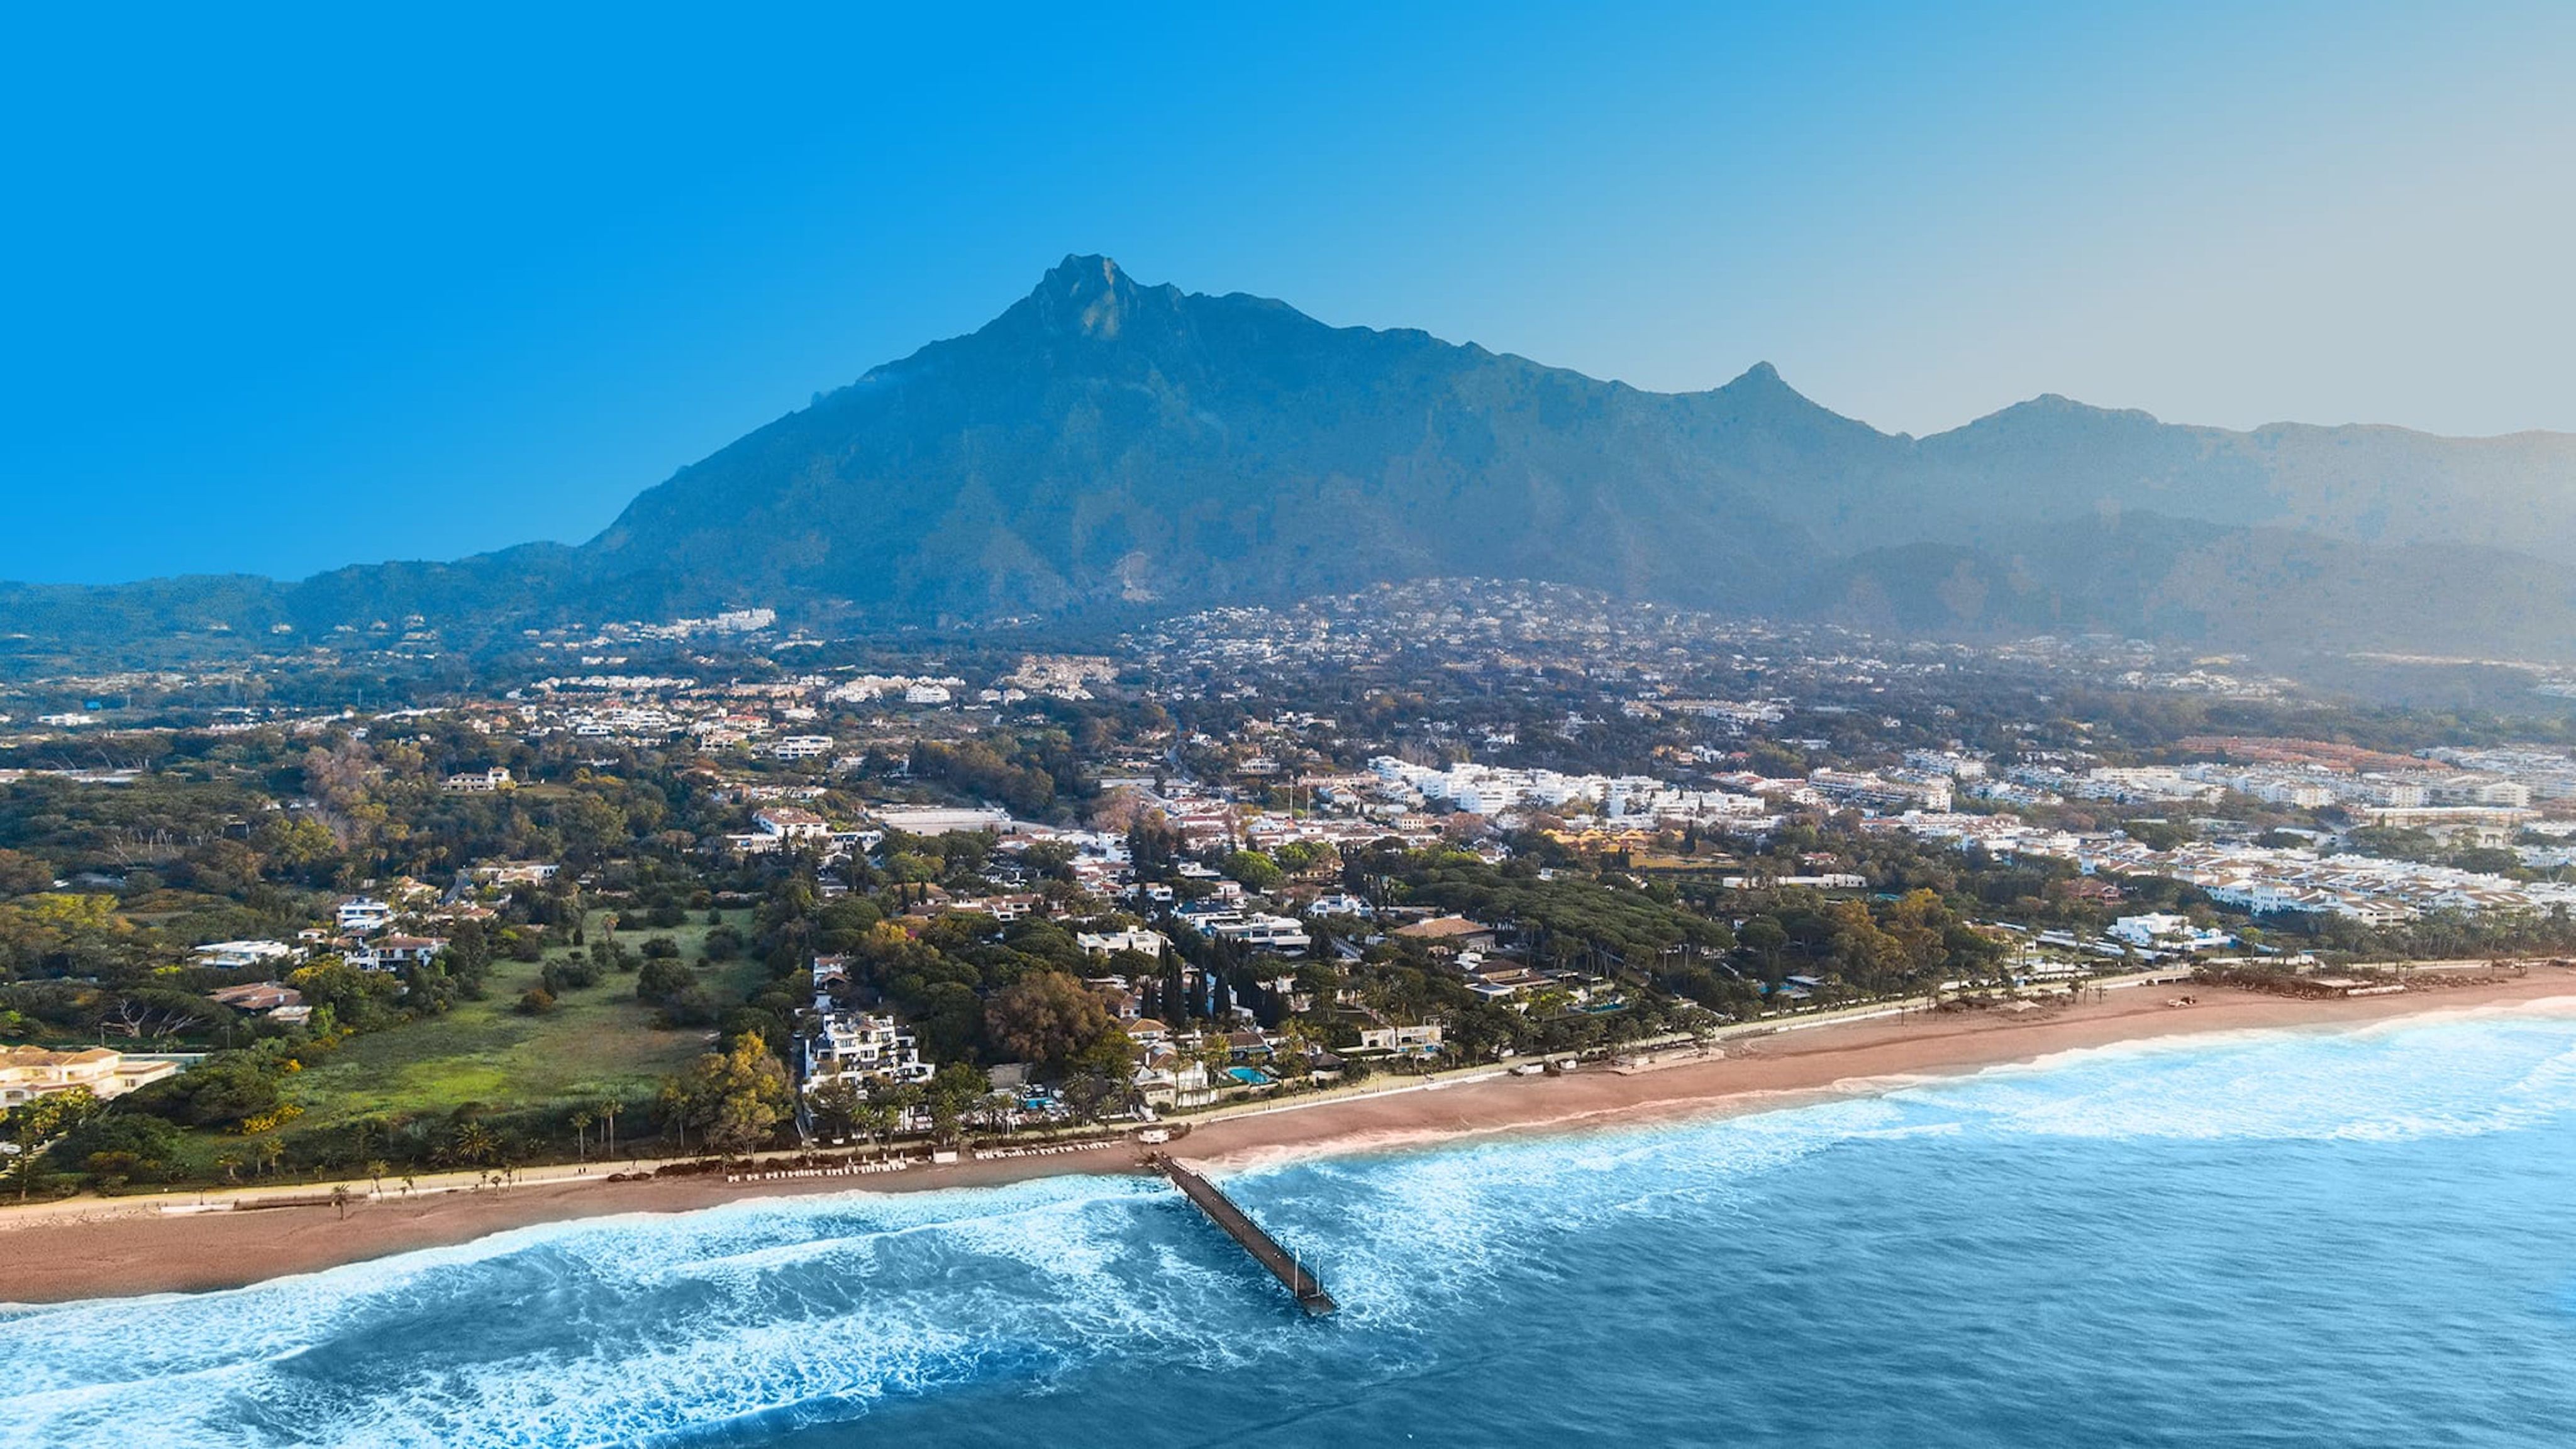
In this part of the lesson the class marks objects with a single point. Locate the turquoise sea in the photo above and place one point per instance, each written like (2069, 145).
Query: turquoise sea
(2262, 1239)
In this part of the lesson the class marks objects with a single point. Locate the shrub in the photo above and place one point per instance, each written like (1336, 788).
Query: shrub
(537, 1002)
(126, 1145)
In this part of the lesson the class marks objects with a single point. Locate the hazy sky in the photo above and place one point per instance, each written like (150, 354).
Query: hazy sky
(296, 292)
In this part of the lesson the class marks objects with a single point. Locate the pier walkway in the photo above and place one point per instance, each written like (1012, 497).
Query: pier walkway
(1239, 1226)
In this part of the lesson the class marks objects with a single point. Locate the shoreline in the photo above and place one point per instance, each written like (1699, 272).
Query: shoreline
(99, 1248)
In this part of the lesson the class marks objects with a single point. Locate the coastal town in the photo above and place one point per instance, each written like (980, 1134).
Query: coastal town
(732, 888)
(1314, 727)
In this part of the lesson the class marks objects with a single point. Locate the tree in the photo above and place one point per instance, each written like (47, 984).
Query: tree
(1046, 1017)
(1153, 846)
(1254, 870)
(690, 1006)
(1918, 921)
(1090, 1094)
(1052, 859)
(356, 999)
(1860, 946)
(468, 958)
(227, 1089)
(735, 1098)
(33, 1125)
(568, 973)
(956, 1088)
(887, 1105)
(158, 1014)
(836, 1106)
(1765, 940)
(661, 979)
(131, 1146)
(24, 875)
(472, 1144)
(1300, 856)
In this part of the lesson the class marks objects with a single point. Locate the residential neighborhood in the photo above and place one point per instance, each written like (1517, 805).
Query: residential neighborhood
(1248, 856)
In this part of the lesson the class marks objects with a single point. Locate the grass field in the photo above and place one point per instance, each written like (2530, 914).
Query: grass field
(598, 1042)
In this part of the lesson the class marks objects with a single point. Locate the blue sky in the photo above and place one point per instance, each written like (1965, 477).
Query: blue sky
(297, 291)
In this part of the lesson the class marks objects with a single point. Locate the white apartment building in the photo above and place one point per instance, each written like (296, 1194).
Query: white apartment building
(855, 1047)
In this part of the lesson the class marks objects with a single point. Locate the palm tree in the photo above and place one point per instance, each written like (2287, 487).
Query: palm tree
(1001, 1109)
(835, 1107)
(474, 1144)
(875, 1120)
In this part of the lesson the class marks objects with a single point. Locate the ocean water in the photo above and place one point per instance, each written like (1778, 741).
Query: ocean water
(2261, 1239)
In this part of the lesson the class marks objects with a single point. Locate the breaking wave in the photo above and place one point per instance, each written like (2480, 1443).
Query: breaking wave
(1026, 1305)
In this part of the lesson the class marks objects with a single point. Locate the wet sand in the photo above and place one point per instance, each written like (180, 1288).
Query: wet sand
(117, 1247)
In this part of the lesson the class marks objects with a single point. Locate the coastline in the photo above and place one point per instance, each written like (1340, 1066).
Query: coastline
(62, 1252)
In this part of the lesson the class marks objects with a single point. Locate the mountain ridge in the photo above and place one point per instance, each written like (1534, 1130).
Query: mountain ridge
(1104, 442)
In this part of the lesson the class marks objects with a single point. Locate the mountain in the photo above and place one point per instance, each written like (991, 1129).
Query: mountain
(1107, 441)
(2267, 588)
(1106, 444)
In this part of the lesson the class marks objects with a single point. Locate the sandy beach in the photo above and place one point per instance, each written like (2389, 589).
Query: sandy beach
(88, 1248)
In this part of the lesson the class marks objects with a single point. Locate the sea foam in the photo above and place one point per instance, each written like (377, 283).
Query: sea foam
(782, 1318)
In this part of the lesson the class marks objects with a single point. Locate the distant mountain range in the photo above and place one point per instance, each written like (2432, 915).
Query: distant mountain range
(1107, 446)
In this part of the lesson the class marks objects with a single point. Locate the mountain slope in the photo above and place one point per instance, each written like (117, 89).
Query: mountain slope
(1102, 440)
(2142, 575)
(2374, 485)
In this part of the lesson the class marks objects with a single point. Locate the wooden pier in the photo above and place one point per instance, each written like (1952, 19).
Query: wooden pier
(1239, 1226)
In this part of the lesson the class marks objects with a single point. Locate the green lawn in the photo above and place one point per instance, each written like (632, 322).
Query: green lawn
(599, 1041)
